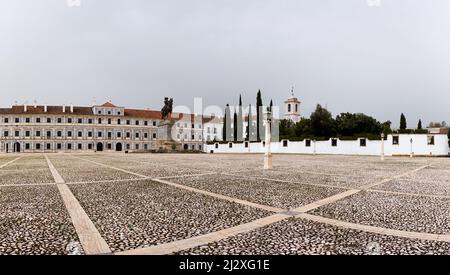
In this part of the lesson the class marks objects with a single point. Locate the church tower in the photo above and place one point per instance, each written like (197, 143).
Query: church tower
(292, 108)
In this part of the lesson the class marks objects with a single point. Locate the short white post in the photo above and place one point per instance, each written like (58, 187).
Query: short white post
(268, 140)
(411, 152)
(382, 146)
(314, 144)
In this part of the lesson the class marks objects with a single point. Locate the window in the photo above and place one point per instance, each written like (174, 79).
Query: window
(154, 135)
(59, 120)
(395, 140)
(99, 121)
(99, 112)
(80, 121)
(69, 133)
(80, 146)
(49, 120)
(145, 123)
(6, 120)
(296, 108)
(17, 120)
(27, 133)
(49, 134)
(128, 146)
(246, 144)
(6, 133)
(334, 142)
(154, 123)
(192, 137)
(136, 122)
(230, 145)
(118, 113)
(99, 134)
(217, 146)
(308, 143)
(109, 121)
(128, 135)
(109, 135)
(89, 146)
(109, 112)
(49, 146)
(109, 146)
(137, 135)
(38, 146)
(362, 142)
(136, 146)
(59, 134)
(145, 135)
(27, 146)
(69, 146)
(145, 146)
(90, 134)
(119, 134)
(59, 146)
(193, 126)
(285, 143)
(289, 108)
(80, 134)
(27, 120)
(90, 121)
(69, 120)
(17, 133)
(430, 140)
(38, 120)
(128, 122)
(38, 133)
(118, 121)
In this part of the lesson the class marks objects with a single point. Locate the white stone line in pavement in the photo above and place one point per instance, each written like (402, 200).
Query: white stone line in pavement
(408, 194)
(186, 176)
(375, 229)
(319, 203)
(371, 185)
(260, 206)
(106, 181)
(55, 174)
(9, 162)
(90, 239)
(112, 167)
(222, 197)
(180, 245)
(287, 181)
(27, 184)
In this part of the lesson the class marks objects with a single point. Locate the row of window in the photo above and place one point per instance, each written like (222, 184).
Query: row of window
(81, 121)
(80, 134)
(79, 146)
(334, 142)
(185, 137)
(185, 125)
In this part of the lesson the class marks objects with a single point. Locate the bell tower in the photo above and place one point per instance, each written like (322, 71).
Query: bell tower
(292, 108)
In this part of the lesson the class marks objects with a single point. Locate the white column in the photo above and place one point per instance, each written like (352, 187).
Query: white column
(382, 147)
(411, 152)
(268, 153)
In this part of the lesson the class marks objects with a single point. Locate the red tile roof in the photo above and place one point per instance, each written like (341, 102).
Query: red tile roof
(143, 113)
(108, 104)
(39, 110)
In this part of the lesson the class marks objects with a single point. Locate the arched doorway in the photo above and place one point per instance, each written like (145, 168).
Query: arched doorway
(99, 147)
(16, 147)
(7, 147)
(186, 147)
(119, 147)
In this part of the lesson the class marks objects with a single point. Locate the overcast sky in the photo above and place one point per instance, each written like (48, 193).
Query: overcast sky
(344, 54)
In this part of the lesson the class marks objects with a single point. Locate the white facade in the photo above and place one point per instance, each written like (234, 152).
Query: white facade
(422, 145)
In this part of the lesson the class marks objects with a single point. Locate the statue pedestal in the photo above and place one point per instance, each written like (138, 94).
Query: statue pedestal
(165, 141)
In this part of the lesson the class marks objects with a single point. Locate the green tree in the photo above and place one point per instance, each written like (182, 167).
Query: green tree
(259, 116)
(419, 125)
(351, 125)
(303, 129)
(322, 123)
(287, 129)
(386, 126)
(226, 120)
(403, 122)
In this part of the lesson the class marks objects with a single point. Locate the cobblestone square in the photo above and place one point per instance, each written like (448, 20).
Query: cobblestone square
(222, 204)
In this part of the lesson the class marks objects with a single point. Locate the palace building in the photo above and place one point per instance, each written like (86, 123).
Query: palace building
(107, 127)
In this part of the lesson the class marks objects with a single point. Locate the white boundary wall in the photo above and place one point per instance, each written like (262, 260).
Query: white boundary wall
(419, 146)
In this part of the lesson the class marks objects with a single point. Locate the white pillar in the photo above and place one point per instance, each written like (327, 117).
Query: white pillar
(382, 147)
(268, 153)
(411, 152)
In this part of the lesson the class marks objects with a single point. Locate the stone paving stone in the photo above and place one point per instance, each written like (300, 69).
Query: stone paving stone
(33, 220)
(420, 187)
(77, 170)
(277, 194)
(30, 176)
(302, 237)
(30, 162)
(402, 212)
(144, 213)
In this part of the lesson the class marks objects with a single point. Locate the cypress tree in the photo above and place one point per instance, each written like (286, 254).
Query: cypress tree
(240, 124)
(235, 126)
(249, 120)
(403, 122)
(419, 125)
(259, 116)
(226, 119)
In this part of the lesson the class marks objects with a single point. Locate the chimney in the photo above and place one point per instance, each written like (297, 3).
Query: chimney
(71, 108)
(25, 107)
(45, 108)
(64, 108)
(35, 104)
